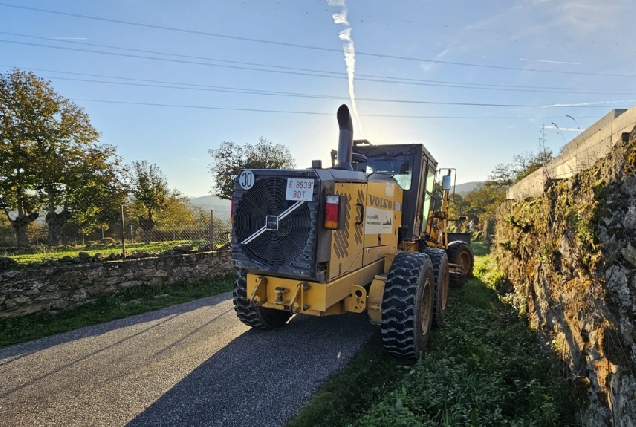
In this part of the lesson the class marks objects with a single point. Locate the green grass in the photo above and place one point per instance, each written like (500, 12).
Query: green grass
(42, 253)
(369, 375)
(484, 367)
(107, 307)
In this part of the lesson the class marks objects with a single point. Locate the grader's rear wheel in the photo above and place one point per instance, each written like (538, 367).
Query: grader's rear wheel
(407, 305)
(256, 317)
(460, 253)
(441, 274)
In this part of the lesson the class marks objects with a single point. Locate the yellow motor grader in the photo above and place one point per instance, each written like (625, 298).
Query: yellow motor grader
(359, 236)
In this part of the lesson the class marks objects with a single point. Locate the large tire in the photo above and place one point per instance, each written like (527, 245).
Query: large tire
(440, 272)
(407, 305)
(256, 317)
(461, 253)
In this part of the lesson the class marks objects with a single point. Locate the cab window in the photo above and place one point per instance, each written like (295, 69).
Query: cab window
(428, 197)
(399, 167)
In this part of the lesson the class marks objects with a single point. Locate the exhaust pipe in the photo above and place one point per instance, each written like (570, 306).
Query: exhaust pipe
(345, 140)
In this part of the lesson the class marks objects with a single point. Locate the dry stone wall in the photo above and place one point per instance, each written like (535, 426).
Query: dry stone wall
(570, 255)
(64, 285)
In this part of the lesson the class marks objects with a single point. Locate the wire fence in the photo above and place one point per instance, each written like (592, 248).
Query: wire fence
(201, 226)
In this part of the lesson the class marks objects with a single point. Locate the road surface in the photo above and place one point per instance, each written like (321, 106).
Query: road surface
(190, 364)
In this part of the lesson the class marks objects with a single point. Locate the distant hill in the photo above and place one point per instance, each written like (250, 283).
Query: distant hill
(463, 189)
(220, 207)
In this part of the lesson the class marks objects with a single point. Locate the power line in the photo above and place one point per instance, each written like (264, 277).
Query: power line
(181, 61)
(423, 24)
(301, 46)
(162, 84)
(301, 95)
(316, 113)
(360, 76)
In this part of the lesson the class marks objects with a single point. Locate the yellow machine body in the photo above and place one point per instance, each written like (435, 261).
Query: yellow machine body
(359, 253)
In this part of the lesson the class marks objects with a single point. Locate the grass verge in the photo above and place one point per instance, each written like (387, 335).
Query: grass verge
(43, 253)
(484, 367)
(105, 307)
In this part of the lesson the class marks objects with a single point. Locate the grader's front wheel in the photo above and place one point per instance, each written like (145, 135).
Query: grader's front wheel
(407, 305)
(256, 317)
(461, 254)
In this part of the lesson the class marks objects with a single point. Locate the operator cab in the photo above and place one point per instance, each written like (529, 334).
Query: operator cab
(413, 168)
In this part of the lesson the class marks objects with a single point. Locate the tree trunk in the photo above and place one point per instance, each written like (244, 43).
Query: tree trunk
(20, 228)
(21, 236)
(147, 224)
(489, 232)
(56, 222)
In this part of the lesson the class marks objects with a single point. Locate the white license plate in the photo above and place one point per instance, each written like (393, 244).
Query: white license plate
(300, 189)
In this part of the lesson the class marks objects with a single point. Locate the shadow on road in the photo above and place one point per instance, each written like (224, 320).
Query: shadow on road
(18, 351)
(261, 378)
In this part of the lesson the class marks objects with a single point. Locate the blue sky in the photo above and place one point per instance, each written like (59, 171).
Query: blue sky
(583, 47)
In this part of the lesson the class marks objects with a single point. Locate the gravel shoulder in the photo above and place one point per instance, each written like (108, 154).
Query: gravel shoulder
(188, 364)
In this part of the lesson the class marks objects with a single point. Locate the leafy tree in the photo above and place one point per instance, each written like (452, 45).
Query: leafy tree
(484, 200)
(83, 183)
(221, 228)
(48, 156)
(231, 157)
(150, 192)
(178, 216)
(522, 166)
(481, 203)
(529, 162)
(99, 203)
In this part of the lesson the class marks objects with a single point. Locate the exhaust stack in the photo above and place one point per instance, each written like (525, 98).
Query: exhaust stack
(345, 140)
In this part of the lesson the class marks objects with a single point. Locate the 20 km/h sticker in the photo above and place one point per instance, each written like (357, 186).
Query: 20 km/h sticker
(300, 189)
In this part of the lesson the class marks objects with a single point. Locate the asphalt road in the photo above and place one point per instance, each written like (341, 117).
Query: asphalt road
(191, 364)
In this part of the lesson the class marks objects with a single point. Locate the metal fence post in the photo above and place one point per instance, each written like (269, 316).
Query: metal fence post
(212, 228)
(123, 229)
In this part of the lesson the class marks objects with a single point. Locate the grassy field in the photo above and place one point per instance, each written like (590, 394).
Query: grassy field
(43, 253)
(107, 307)
(484, 367)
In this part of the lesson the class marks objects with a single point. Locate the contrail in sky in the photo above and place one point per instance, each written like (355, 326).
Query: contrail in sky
(340, 18)
(549, 61)
(584, 104)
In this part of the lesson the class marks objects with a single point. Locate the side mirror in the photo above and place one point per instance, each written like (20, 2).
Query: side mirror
(446, 182)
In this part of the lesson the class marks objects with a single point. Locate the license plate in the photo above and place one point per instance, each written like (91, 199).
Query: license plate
(300, 189)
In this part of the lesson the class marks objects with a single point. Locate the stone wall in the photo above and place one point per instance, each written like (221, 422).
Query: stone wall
(570, 255)
(60, 286)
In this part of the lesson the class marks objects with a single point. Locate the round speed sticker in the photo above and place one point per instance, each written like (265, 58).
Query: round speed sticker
(246, 179)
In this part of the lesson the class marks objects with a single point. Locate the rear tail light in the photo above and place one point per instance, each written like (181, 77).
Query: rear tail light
(232, 210)
(332, 212)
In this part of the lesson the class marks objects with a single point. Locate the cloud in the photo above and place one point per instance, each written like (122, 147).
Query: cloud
(563, 129)
(549, 61)
(587, 17)
(68, 38)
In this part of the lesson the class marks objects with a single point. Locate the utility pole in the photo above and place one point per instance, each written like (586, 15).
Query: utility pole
(542, 139)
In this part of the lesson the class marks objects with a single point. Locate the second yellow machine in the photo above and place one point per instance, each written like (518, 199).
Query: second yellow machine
(359, 236)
